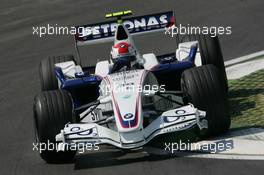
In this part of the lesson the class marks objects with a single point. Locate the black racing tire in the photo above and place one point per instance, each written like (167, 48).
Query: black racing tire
(52, 111)
(48, 80)
(211, 53)
(203, 88)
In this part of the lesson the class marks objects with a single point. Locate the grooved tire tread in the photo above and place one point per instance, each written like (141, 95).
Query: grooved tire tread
(48, 80)
(52, 111)
(203, 87)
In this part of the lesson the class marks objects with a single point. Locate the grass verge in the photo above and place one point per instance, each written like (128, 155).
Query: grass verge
(246, 100)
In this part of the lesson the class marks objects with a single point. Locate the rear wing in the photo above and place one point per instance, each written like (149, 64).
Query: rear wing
(105, 31)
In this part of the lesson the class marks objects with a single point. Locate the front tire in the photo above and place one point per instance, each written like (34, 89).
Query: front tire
(203, 88)
(48, 79)
(211, 53)
(52, 111)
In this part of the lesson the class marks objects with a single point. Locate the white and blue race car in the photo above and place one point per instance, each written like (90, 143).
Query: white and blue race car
(127, 102)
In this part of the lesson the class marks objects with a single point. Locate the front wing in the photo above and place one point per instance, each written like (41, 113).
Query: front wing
(170, 121)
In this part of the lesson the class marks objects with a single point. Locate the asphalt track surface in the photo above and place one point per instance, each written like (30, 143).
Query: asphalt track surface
(21, 53)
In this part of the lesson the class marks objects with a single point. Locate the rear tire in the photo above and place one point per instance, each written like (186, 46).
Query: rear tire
(52, 111)
(48, 79)
(203, 88)
(211, 53)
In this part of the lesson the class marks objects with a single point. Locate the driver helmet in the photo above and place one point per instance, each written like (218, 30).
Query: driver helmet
(124, 51)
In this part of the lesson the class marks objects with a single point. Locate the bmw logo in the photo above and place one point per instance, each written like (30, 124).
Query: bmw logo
(122, 45)
(128, 116)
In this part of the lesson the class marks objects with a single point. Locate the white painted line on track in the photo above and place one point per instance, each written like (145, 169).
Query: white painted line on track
(226, 156)
(242, 69)
(244, 58)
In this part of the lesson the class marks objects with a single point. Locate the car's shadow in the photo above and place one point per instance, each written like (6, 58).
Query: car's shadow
(114, 158)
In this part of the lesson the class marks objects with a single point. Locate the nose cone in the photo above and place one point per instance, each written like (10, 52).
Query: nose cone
(126, 99)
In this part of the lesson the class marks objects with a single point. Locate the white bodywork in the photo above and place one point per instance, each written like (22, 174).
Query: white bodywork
(128, 131)
(123, 94)
(102, 68)
(69, 68)
(150, 61)
(184, 49)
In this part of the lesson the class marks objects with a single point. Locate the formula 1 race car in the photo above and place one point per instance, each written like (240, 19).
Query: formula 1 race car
(130, 99)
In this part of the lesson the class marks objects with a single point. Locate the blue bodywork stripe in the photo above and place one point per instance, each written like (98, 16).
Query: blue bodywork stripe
(77, 82)
(167, 67)
(192, 53)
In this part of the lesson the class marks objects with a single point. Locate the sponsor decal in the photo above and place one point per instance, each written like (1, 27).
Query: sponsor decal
(170, 119)
(126, 96)
(134, 25)
(180, 112)
(75, 129)
(128, 116)
(88, 132)
(186, 125)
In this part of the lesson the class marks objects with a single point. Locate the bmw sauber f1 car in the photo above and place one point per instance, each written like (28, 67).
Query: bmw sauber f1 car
(131, 98)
